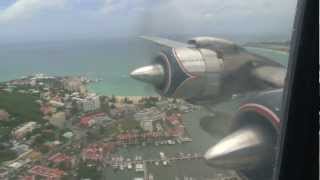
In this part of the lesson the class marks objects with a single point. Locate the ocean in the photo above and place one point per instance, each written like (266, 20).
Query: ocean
(112, 60)
(108, 59)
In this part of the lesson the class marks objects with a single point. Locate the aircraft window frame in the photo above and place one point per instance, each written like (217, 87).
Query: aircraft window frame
(294, 163)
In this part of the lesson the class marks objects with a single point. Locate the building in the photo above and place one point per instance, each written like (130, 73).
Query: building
(96, 152)
(91, 119)
(89, 103)
(73, 84)
(16, 165)
(176, 131)
(149, 114)
(58, 120)
(139, 167)
(147, 125)
(20, 148)
(4, 174)
(173, 120)
(147, 118)
(4, 115)
(21, 131)
(61, 159)
(68, 135)
(45, 109)
(87, 121)
(93, 153)
(45, 172)
(55, 103)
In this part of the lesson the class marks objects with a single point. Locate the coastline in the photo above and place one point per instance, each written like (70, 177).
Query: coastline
(125, 86)
(274, 50)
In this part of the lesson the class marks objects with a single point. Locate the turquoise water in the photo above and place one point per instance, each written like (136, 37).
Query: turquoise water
(279, 56)
(110, 60)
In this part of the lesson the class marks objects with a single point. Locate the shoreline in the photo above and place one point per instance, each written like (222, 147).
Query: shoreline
(282, 51)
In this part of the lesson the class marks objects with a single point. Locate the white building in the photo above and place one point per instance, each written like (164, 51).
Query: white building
(90, 103)
(149, 114)
(24, 129)
(56, 103)
(147, 118)
(74, 84)
(4, 115)
(4, 174)
(147, 125)
(58, 119)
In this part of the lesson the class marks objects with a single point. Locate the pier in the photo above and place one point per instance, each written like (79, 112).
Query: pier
(195, 156)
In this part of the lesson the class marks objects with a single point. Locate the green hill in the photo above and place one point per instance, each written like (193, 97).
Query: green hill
(21, 106)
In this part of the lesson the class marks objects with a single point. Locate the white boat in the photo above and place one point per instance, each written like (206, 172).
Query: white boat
(165, 163)
(129, 166)
(121, 167)
(162, 155)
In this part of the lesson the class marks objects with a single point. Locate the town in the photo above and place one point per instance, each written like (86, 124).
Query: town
(53, 128)
(72, 132)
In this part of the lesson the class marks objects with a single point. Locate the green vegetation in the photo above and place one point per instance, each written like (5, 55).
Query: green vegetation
(88, 172)
(109, 131)
(104, 104)
(4, 133)
(21, 106)
(113, 99)
(7, 155)
(127, 125)
(150, 101)
(44, 137)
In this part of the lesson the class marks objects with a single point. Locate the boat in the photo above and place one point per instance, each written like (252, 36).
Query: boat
(129, 166)
(139, 167)
(164, 163)
(121, 167)
(162, 155)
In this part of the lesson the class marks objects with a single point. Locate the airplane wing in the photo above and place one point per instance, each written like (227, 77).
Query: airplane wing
(274, 76)
(217, 78)
(166, 42)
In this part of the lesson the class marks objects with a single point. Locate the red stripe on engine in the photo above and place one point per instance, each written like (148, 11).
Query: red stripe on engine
(262, 110)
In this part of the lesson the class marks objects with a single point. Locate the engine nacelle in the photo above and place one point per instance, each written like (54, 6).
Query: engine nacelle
(190, 73)
(251, 144)
(208, 70)
(217, 44)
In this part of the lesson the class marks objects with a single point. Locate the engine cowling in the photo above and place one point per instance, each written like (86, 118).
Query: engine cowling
(207, 70)
(189, 73)
(251, 144)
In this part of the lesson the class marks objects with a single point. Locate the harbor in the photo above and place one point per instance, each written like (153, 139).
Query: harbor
(167, 161)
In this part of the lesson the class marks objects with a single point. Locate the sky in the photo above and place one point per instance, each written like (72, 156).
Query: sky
(45, 20)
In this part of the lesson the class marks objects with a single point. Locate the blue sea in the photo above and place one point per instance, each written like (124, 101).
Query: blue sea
(108, 59)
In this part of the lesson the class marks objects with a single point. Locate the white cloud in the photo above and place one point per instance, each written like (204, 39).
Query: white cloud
(22, 9)
(111, 6)
(123, 6)
(145, 17)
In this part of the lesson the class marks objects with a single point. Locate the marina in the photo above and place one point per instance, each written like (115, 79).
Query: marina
(163, 160)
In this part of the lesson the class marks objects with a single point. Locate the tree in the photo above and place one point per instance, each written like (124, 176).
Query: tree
(113, 99)
(126, 100)
(88, 172)
(7, 154)
(174, 100)
(105, 107)
(74, 108)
